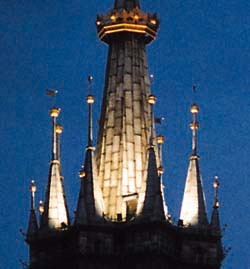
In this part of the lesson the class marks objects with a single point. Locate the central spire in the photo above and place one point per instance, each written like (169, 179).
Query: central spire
(124, 128)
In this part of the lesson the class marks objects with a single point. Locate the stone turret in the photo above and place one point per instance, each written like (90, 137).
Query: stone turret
(90, 207)
(193, 210)
(55, 214)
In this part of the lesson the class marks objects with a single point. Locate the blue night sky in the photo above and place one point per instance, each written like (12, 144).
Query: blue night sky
(53, 44)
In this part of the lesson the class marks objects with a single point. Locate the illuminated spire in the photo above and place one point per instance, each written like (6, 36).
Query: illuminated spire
(193, 210)
(126, 4)
(124, 126)
(215, 219)
(33, 226)
(153, 207)
(90, 202)
(55, 214)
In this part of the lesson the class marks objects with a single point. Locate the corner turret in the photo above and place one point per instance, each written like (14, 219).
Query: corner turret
(55, 214)
(193, 210)
(153, 207)
(90, 208)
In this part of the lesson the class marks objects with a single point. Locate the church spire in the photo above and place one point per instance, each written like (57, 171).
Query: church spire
(215, 219)
(153, 208)
(124, 128)
(33, 226)
(90, 202)
(55, 208)
(193, 210)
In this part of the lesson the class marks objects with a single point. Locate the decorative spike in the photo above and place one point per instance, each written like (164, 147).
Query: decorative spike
(90, 207)
(54, 113)
(193, 210)
(33, 226)
(194, 126)
(90, 100)
(153, 207)
(55, 214)
(160, 141)
(215, 219)
(151, 101)
(41, 207)
(59, 130)
(216, 185)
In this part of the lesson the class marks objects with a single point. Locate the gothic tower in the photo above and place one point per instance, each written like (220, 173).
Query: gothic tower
(121, 218)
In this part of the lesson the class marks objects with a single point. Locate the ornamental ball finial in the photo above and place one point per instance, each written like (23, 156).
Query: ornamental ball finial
(90, 99)
(216, 183)
(160, 170)
(194, 109)
(41, 207)
(82, 173)
(217, 204)
(151, 99)
(160, 139)
(59, 129)
(54, 112)
(32, 186)
(194, 126)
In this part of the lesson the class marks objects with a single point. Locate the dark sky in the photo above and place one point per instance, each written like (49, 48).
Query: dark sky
(53, 44)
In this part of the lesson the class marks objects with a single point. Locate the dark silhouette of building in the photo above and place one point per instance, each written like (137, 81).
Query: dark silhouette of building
(121, 218)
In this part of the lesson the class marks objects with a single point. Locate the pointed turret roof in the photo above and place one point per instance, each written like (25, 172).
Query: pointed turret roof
(153, 207)
(215, 218)
(90, 202)
(32, 226)
(126, 4)
(193, 210)
(55, 208)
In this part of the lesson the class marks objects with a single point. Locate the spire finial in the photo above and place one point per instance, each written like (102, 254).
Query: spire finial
(32, 192)
(160, 142)
(194, 126)
(90, 100)
(41, 207)
(54, 113)
(33, 226)
(216, 185)
(59, 130)
(151, 101)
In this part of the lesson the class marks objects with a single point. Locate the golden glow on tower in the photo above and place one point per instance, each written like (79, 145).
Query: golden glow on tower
(133, 21)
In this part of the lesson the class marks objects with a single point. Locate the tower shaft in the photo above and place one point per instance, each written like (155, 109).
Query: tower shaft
(125, 124)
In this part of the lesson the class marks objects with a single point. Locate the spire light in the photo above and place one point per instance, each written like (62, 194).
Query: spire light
(32, 191)
(41, 207)
(216, 185)
(194, 126)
